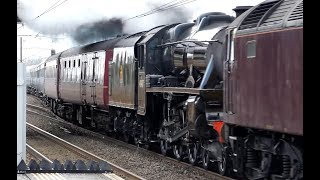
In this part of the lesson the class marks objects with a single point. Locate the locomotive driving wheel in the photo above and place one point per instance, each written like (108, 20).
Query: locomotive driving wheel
(193, 153)
(178, 148)
(221, 166)
(205, 159)
(177, 151)
(164, 147)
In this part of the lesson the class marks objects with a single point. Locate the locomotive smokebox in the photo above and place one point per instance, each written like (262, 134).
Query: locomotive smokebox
(185, 56)
(241, 9)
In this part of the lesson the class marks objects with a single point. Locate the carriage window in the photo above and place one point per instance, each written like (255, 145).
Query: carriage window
(251, 49)
(121, 69)
(93, 70)
(85, 72)
(116, 69)
(124, 70)
(110, 78)
(69, 63)
(65, 64)
(74, 63)
(79, 63)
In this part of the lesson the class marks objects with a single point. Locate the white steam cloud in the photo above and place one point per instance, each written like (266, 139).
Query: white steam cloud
(102, 16)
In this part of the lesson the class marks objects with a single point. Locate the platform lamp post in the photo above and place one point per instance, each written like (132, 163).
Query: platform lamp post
(21, 109)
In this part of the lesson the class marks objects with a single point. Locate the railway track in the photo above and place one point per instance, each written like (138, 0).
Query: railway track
(211, 174)
(38, 107)
(79, 151)
(40, 110)
(36, 154)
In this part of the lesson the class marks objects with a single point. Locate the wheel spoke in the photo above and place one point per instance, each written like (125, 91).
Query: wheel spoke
(205, 159)
(164, 147)
(221, 165)
(192, 153)
(177, 151)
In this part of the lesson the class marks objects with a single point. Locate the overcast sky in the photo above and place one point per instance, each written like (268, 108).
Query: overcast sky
(52, 29)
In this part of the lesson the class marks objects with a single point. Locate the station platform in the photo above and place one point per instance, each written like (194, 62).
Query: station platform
(67, 171)
(68, 176)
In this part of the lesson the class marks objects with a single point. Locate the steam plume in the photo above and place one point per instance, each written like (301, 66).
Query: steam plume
(89, 21)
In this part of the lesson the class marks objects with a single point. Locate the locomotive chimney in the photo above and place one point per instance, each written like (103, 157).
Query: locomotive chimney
(241, 9)
(53, 52)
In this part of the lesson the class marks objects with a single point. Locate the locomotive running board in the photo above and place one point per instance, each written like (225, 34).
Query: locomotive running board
(185, 90)
(208, 94)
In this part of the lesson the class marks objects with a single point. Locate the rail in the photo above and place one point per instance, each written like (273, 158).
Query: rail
(118, 170)
(36, 153)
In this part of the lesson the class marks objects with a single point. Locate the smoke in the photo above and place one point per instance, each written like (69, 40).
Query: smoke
(97, 31)
(90, 21)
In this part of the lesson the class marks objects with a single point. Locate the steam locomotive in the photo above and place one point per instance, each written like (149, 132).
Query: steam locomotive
(221, 91)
